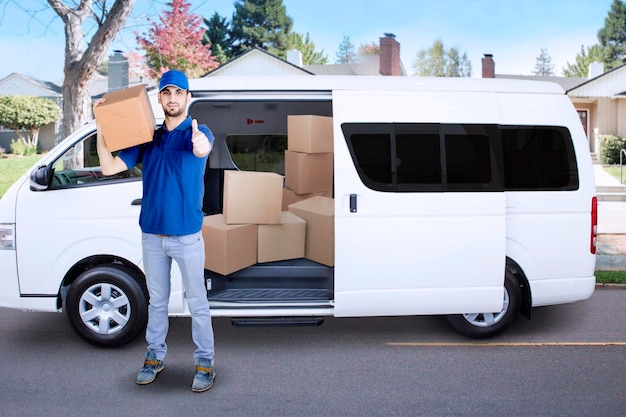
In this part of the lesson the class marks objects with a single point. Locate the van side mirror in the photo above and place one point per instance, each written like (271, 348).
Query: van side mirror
(40, 178)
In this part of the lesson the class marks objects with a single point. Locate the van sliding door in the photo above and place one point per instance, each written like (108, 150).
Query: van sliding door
(419, 206)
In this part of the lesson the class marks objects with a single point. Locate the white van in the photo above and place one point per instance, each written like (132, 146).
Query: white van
(471, 198)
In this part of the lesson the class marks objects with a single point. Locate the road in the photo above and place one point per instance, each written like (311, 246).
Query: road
(570, 360)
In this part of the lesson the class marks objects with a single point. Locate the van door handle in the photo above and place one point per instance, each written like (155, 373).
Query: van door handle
(352, 203)
(136, 202)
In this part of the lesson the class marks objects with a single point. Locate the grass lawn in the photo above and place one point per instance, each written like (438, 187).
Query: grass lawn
(610, 277)
(12, 168)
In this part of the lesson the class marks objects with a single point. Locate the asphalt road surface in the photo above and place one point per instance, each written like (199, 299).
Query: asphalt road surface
(570, 360)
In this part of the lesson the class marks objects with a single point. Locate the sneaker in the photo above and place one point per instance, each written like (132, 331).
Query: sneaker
(205, 375)
(151, 367)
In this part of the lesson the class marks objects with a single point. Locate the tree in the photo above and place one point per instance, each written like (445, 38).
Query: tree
(543, 65)
(217, 34)
(345, 54)
(26, 115)
(369, 49)
(580, 68)
(176, 43)
(437, 61)
(81, 64)
(612, 36)
(307, 48)
(260, 23)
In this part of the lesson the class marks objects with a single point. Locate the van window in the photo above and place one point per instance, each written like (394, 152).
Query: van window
(539, 159)
(253, 130)
(425, 157)
(265, 153)
(80, 166)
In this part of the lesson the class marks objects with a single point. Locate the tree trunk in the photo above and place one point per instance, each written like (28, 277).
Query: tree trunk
(80, 66)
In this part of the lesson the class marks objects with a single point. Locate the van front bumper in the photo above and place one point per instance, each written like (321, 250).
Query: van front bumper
(9, 283)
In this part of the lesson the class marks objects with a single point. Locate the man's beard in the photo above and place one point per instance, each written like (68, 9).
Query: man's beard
(175, 112)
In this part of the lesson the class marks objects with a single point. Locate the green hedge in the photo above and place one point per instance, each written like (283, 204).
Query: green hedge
(610, 147)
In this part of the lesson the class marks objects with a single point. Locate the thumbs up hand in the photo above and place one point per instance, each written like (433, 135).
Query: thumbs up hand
(201, 144)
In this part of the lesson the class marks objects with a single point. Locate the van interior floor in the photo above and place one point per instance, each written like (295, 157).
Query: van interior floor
(304, 281)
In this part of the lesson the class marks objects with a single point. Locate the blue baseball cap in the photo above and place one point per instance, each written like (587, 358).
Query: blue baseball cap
(174, 78)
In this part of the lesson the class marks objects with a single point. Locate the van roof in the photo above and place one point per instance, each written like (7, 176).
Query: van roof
(329, 83)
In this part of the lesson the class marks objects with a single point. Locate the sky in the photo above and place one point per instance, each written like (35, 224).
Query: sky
(32, 38)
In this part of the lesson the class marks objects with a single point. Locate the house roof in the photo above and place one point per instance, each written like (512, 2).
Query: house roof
(257, 61)
(365, 65)
(20, 84)
(566, 82)
(603, 85)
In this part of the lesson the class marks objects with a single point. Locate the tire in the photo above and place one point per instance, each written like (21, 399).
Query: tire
(107, 306)
(485, 325)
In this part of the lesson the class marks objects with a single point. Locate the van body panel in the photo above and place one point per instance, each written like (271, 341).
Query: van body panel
(550, 291)
(407, 246)
(420, 301)
(57, 228)
(539, 222)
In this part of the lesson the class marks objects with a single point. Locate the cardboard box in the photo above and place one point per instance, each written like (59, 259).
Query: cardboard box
(228, 248)
(319, 215)
(126, 118)
(282, 241)
(309, 172)
(252, 197)
(310, 134)
(290, 197)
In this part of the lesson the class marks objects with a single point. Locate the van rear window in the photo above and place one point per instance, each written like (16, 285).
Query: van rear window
(538, 158)
(459, 157)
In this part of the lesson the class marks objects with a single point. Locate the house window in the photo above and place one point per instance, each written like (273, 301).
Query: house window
(584, 119)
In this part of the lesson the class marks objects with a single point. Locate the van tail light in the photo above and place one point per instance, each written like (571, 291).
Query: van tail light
(594, 224)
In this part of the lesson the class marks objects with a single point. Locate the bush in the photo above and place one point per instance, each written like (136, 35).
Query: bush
(20, 147)
(610, 147)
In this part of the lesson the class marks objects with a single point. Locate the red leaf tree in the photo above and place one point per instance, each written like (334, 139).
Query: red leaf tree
(176, 43)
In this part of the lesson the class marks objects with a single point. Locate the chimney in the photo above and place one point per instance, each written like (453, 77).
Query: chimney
(595, 70)
(489, 66)
(389, 55)
(118, 71)
(294, 57)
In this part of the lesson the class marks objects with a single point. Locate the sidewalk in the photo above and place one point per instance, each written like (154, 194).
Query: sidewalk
(611, 254)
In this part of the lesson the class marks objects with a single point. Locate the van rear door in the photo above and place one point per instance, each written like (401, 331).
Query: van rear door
(419, 203)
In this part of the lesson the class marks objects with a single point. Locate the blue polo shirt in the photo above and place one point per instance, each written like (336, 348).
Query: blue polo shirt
(173, 181)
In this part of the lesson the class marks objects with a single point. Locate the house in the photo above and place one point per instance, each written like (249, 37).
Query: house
(257, 61)
(599, 99)
(20, 84)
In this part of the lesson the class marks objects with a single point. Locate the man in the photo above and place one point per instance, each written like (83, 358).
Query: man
(171, 224)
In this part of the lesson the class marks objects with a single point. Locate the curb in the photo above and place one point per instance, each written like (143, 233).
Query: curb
(612, 286)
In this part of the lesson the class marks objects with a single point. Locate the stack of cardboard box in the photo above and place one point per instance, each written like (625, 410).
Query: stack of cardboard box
(308, 158)
(309, 182)
(265, 220)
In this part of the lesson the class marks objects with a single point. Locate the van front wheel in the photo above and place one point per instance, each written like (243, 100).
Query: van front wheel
(485, 325)
(107, 306)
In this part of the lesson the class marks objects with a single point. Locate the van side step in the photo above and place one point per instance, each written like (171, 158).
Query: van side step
(277, 321)
(269, 295)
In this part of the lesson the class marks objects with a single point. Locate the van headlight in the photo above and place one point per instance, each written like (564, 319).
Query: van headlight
(7, 237)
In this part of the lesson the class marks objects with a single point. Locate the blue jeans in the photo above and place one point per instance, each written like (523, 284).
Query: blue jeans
(188, 252)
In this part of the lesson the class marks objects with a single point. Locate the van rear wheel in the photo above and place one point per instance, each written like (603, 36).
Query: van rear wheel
(485, 325)
(107, 306)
